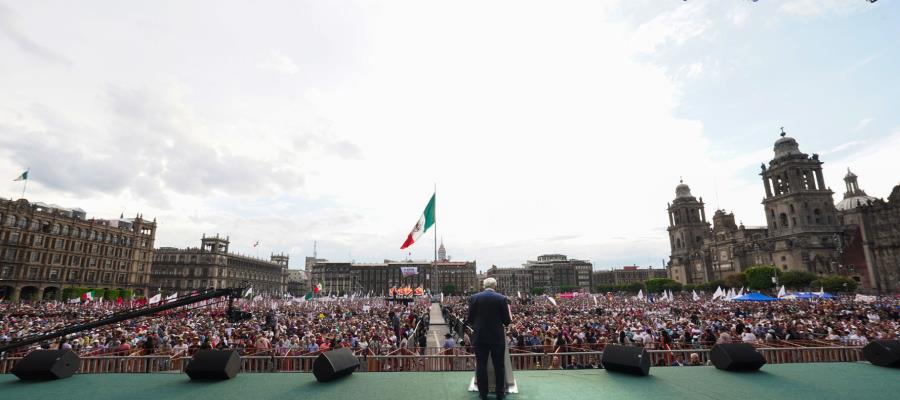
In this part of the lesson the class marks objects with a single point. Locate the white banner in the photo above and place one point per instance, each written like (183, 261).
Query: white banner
(409, 271)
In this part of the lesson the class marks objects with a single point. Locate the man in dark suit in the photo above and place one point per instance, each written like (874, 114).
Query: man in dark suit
(488, 313)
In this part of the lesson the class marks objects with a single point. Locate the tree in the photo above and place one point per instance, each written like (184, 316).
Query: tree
(569, 288)
(796, 279)
(606, 288)
(735, 281)
(835, 283)
(760, 277)
(634, 287)
(538, 291)
(98, 293)
(449, 288)
(711, 286)
(657, 285)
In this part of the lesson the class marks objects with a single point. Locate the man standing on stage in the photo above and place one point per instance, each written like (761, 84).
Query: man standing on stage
(488, 313)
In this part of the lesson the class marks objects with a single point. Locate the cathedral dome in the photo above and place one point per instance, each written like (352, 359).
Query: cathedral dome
(849, 203)
(854, 197)
(682, 191)
(786, 146)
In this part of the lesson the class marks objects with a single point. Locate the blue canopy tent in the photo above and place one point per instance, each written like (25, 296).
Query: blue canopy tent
(813, 295)
(754, 297)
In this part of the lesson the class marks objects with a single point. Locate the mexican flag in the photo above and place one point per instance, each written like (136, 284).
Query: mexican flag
(23, 177)
(87, 296)
(426, 220)
(309, 296)
(317, 288)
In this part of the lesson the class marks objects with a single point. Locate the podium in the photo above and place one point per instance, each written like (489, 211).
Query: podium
(511, 386)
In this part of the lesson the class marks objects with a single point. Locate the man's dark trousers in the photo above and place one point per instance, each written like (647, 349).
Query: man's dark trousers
(497, 353)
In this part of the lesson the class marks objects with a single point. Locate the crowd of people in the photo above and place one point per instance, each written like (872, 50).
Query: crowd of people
(378, 326)
(588, 322)
(278, 327)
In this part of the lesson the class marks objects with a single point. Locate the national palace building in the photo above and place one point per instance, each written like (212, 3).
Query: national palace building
(377, 279)
(805, 230)
(212, 266)
(45, 249)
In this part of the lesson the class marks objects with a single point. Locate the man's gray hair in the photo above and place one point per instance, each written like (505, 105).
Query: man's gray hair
(490, 283)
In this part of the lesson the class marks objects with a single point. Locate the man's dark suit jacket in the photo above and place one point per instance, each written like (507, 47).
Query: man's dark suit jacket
(488, 313)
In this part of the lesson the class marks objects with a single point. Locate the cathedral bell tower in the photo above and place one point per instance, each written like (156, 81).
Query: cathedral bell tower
(800, 213)
(687, 230)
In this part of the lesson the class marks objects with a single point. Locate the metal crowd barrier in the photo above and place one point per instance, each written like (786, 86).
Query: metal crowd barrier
(455, 361)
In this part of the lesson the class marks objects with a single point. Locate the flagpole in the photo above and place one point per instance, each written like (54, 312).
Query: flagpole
(25, 183)
(435, 223)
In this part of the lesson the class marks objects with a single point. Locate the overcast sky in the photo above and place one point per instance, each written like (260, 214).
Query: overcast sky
(548, 127)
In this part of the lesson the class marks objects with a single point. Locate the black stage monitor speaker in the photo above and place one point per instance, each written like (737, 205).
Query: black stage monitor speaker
(883, 353)
(46, 365)
(334, 364)
(736, 357)
(213, 365)
(627, 359)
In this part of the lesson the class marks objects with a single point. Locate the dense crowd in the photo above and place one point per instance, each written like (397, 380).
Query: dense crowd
(278, 327)
(377, 326)
(589, 322)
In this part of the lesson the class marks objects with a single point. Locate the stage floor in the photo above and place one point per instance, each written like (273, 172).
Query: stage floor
(787, 381)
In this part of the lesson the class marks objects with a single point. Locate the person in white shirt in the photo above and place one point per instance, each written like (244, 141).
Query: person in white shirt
(724, 337)
(748, 337)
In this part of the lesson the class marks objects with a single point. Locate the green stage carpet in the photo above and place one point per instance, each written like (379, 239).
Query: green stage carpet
(785, 381)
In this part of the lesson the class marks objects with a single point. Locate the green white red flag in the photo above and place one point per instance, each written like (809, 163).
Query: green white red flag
(426, 220)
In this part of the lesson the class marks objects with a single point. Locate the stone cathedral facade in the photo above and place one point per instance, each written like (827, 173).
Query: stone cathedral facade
(804, 230)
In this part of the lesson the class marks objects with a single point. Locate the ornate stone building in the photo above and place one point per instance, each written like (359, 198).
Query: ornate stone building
(47, 248)
(687, 231)
(805, 230)
(555, 273)
(377, 278)
(804, 233)
(511, 281)
(212, 266)
(874, 249)
(627, 274)
(298, 282)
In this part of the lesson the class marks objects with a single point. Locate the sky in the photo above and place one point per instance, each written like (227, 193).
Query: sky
(558, 127)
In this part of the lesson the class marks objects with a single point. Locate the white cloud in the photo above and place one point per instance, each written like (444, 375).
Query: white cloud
(863, 123)
(816, 8)
(279, 62)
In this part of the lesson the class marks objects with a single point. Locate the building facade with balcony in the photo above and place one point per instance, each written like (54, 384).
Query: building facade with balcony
(213, 266)
(511, 281)
(554, 273)
(376, 279)
(627, 274)
(45, 249)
